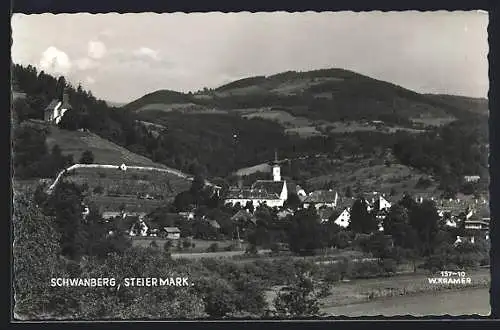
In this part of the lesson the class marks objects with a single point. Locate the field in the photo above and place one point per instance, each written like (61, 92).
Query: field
(199, 250)
(105, 152)
(372, 175)
(433, 121)
(111, 189)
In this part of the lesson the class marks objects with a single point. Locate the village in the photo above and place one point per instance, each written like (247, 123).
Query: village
(469, 212)
(466, 211)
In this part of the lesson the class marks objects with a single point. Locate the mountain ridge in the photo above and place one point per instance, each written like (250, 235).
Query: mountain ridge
(325, 94)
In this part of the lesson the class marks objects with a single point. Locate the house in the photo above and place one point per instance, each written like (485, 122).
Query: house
(474, 224)
(172, 232)
(256, 197)
(111, 214)
(463, 239)
(471, 178)
(322, 198)
(344, 218)
(300, 192)
(187, 215)
(54, 112)
(139, 229)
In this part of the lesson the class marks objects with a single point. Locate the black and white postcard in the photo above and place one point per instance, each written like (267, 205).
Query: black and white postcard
(193, 166)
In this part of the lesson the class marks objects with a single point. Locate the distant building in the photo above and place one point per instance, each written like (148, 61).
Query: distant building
(139, 229)
(472, 178)
(111, 214)
(55, 110)
(322, 198)
(344, 218)
(172, 232)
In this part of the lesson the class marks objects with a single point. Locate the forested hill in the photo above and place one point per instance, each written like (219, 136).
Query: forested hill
(328, 94)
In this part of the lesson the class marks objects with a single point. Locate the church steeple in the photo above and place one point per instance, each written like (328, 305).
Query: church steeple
(276, 168)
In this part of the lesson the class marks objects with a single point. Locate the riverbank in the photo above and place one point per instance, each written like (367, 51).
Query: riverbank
(360, 291)
(469, 302)
(366, 290)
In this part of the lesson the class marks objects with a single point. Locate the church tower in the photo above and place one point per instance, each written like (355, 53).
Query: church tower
(276, 168)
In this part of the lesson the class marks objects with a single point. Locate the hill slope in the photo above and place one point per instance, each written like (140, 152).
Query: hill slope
(105, 152)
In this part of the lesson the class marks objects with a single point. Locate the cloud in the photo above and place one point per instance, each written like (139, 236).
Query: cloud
(96, 49)
(86, 63)
(55, 61)
(148, 52)
(90, 80)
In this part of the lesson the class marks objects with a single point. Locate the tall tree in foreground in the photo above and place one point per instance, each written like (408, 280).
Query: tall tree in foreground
(298, 299)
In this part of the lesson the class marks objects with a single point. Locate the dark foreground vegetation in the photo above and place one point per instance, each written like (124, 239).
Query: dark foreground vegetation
(53, 239)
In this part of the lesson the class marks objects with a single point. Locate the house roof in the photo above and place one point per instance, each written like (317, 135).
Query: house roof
(172, 229)
(270, 186)
(250, 194)
(111, 214)
(321, 196)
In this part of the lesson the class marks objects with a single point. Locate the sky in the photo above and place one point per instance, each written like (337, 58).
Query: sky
(121, 57)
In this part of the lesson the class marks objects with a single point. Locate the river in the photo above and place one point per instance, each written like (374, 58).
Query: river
(454, 303)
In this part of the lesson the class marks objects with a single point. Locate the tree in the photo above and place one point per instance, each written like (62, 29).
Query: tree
(299, 299)
(305, 232)
(396, 223)
(29, 150)
(87, 157)
(293, 201)
(35, 252)
(22, 110)
(183, 201)
(425, 220)
(362, 221)
(348, 192)
(65, 204)
(167, 246)
(249, 206)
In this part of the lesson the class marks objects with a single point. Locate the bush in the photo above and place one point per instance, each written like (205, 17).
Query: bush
(153, 244)
(214, 247)
(186, 244)
(87, 157)
(231, 247)
(167, 246)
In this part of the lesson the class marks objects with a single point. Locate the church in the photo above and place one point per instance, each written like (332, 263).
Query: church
(55, 110)
(273, 192)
